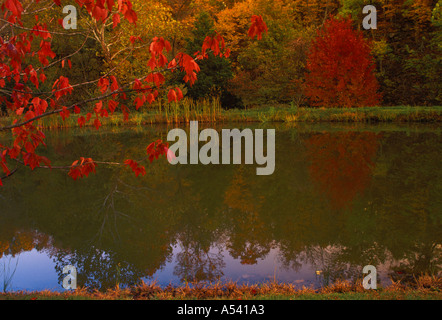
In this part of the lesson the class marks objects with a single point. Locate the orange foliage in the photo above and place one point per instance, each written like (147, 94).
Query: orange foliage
(233, 23)
(4, 245)
(23, 241)
(312, 12)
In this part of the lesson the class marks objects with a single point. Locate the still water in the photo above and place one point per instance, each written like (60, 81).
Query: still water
(341, 197)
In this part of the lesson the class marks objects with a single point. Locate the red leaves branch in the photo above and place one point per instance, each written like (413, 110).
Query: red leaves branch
(156, 149)
(82, 168)
(28, 107)
(257, 28)
(136, 168)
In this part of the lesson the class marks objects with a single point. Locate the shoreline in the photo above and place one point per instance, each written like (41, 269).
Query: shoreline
(423, 288)
(280, 114)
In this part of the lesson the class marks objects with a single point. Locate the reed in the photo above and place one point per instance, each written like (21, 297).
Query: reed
(209, 110)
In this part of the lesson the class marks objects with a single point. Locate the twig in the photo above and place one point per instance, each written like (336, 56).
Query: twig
(10, 174)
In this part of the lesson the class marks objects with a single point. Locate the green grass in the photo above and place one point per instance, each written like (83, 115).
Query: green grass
(366, 114)
(211, 111)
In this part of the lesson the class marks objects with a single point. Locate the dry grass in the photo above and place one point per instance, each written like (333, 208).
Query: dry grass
(424, 287)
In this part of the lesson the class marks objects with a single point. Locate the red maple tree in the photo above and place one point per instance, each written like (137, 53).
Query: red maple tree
(340, 68)
(27, 105)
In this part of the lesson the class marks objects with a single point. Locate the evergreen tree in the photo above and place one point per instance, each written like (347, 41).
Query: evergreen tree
(215, 72)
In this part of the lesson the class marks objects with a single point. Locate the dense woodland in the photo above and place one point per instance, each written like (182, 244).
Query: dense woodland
(405, 48)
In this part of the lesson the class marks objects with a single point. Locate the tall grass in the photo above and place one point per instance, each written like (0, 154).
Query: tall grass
(210, 110)
(204, 110)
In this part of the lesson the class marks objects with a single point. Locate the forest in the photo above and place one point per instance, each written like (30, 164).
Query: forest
(398, 63)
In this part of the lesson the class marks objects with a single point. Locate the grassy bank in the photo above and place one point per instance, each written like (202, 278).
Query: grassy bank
(424, 288)
(211, 111)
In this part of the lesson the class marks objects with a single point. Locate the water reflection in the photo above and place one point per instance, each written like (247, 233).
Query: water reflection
(8, 268)
(342, 163)
(339, 199)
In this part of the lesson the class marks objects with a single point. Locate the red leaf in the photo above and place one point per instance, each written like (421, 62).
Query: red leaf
(65, 113)
(171, 96)
(42, 77)
(97, 123)
(131, 16)
(61, 87)
(81, 121)
(114, 83)
(152, 63)
(5, 168)
(14, 6)
(103, 84)
(179, 93)
(150, 98)
(115, 20)
(139, 102)
(258, 27)
(98, 106)
(112, 105)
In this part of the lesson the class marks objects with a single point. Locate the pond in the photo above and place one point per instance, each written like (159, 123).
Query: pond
(341, 196)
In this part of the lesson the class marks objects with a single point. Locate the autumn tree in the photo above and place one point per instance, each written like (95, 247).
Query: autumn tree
(270, 70)
(157, 21)
(406, 47)
(26, 55)
(340, 68)
(214, 72)
(313, 12)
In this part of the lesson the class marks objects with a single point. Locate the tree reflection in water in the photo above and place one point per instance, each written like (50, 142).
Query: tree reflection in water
(342, 163)
(338, 200)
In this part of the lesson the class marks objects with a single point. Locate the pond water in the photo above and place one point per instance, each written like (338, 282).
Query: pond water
(342, 196)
